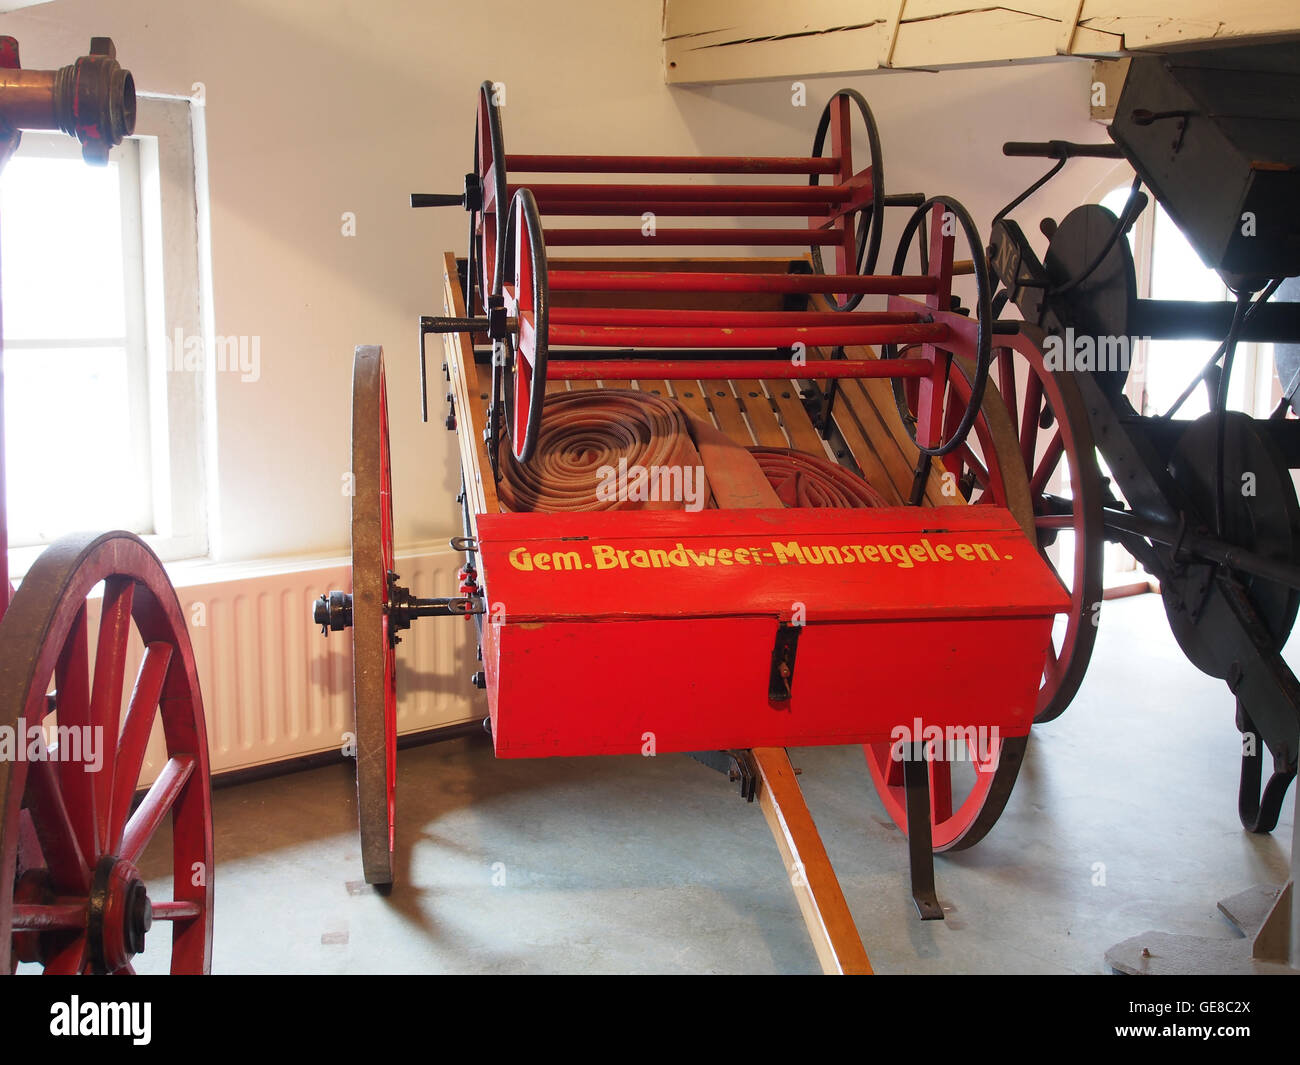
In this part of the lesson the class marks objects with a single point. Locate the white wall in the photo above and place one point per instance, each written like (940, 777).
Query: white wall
(316, 107)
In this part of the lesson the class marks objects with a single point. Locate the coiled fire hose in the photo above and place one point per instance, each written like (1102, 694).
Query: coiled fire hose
(594, 446)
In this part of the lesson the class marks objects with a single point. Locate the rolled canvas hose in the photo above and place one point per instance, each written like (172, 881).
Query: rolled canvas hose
(804, 480)
(585, 435)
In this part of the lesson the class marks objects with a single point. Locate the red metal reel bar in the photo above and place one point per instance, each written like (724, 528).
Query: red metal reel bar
(70, 894)
(526, 299)
(670, 164)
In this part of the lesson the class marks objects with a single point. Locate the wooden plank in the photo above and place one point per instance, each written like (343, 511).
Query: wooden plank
(968, 35)
(873, 469)
(852, 408)
(794, 419)
(470, 420)
(875, 411)
(690, 396)
(714, 41)
(726, 412)
(656, 388)
(1194, 21)
(762, 417)
(821, 899)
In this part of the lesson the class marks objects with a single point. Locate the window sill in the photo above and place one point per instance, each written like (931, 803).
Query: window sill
(187, 572)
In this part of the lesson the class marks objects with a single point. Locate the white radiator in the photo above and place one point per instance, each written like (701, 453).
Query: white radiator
(274, 688)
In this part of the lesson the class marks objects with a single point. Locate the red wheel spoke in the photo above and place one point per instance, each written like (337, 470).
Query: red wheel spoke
(49, 918)
(940, 788)
(1047, 465)
(976, 467)
(176, 911)
(135, 738)
(156, 805)
(1050, 666)
(70, 959)
(1029, 414)
(106, 694)
(54, 828)
(527, 343)
(72, 701)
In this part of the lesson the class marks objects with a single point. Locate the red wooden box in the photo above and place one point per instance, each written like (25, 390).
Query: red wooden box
(631, 631)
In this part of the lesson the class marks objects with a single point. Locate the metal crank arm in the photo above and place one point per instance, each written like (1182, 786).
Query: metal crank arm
(496, 325)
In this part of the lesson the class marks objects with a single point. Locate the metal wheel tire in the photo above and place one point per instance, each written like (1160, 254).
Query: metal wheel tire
(490, 165)
(870, 222)
(529, 301)
(938, 207)
(374, 662)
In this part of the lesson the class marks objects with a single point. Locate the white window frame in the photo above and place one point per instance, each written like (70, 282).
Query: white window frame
(171, 301)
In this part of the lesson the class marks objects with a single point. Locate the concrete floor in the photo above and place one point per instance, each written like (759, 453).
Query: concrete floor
(634, 865)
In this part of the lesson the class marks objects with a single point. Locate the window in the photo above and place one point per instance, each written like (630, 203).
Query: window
(102, 427)
(1169, 268)
(76, 385)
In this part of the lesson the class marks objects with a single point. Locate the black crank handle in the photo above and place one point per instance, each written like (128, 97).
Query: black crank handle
(1061, 150)
(471, 199)
(437, 199)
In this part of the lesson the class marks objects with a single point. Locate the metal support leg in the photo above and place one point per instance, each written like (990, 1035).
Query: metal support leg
(920, 846)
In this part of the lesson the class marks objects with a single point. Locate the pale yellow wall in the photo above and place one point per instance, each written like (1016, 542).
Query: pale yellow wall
(316, 108)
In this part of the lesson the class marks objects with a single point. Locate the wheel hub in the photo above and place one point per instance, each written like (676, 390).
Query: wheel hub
(120, 914)
(1261, 515)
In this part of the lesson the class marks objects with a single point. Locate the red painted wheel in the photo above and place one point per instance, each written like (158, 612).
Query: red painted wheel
(860, 249)
(969, 789)
(374, 642)
(72, 899)
(528, 300)
(1065, 488)
(487, 233)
